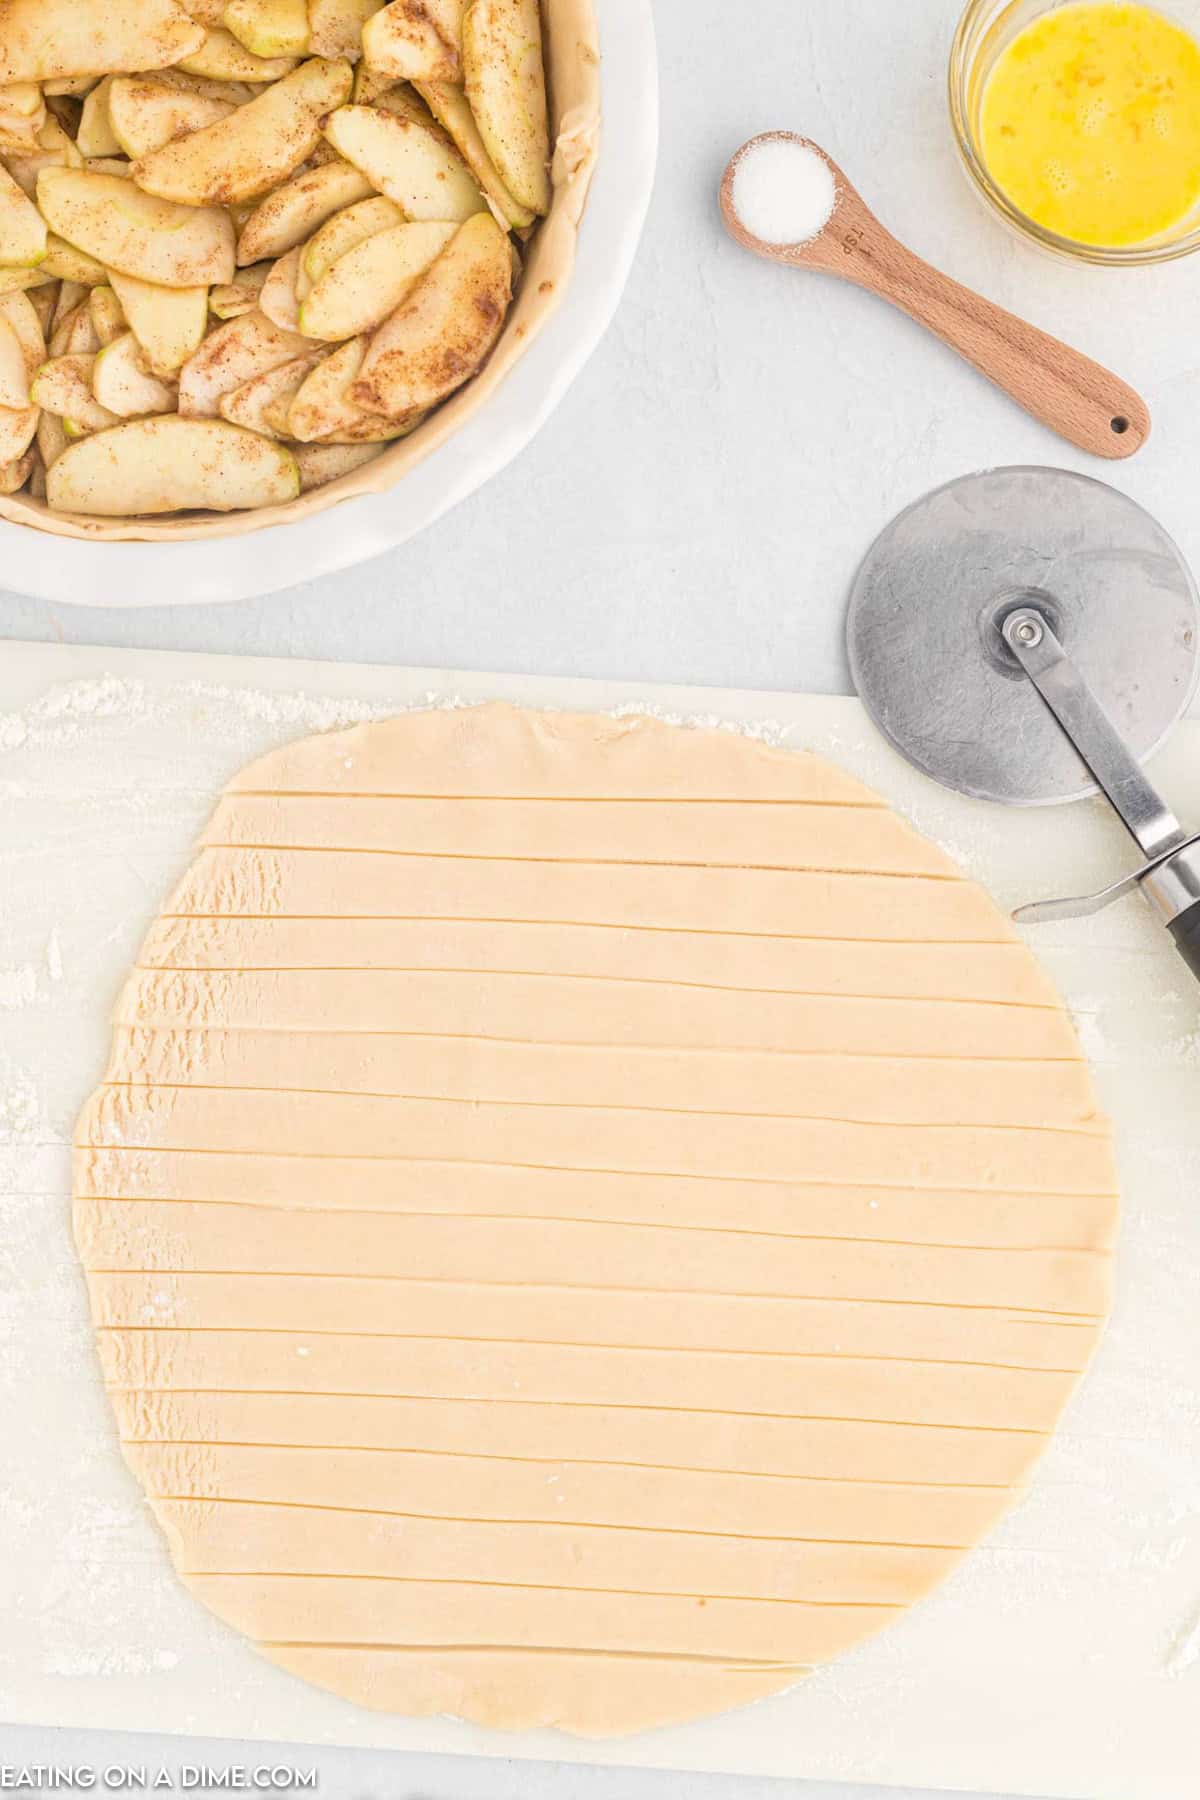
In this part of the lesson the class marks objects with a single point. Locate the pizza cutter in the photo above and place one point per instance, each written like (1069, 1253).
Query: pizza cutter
(1030, 636)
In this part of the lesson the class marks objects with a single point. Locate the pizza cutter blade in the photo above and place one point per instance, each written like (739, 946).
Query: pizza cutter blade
(1030, 636)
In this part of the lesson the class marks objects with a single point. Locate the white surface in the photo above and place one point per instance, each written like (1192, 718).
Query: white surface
(327, 542)
(380, 1775)
(1060, 1659)
(696, 508)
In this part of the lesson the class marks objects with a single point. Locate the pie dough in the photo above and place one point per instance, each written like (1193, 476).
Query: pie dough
(586, 1220)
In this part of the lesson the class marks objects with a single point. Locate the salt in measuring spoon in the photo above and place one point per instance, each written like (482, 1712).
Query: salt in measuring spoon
(784, 198)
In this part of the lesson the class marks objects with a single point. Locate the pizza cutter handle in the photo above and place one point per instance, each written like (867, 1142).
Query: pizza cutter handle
(1186, 932)
(1173, 890)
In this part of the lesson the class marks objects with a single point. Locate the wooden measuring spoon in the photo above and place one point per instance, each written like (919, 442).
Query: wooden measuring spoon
(1083, 402)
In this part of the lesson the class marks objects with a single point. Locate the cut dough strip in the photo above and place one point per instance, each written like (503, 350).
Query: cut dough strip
(899, 1089)
(342, 1609)
(918, 1213)
(767, 1149)
(966, 1396)
(856, 839)
(499, 749)
(246, 1539)
(583, 1258)
(1001, 972)
(304, 1305)
(326, 883)
(789, 1496)
(551, 1011)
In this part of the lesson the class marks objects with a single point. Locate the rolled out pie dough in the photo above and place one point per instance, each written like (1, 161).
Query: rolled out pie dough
(586, 1219)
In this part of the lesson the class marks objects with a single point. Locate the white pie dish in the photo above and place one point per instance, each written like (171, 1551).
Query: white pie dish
(251, 562)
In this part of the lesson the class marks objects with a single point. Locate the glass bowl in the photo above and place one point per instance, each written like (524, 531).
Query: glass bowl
(985, 30)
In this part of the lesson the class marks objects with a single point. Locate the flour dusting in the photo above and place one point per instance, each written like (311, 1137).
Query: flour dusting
(1185, 1651)
(310, 712)
(20, 1110)
(18, 987)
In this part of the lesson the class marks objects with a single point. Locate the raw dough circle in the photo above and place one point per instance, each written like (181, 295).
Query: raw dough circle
(586, 1219)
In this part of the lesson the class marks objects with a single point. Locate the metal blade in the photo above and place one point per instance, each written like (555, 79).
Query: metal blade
(1141, 809)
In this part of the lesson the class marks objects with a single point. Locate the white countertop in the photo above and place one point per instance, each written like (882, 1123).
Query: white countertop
(696, 509)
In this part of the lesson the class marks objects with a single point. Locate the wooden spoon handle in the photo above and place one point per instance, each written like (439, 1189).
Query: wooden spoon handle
(1085, 403)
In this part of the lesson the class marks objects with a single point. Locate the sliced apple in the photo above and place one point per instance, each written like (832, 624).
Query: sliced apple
(368, 86)
(323, 402)
(171, 465)
(95, 134)
(230, 356)
(221, 58)
(18, 143)
(43, 40)
(371, 281)
(121, 384)
(50, 148)
(341, 233)
(14, 371)
(64, 386)
(168, 323)
(147, 113)
(42, 301)
(336, 26)
(443, 332)
(21, 316)
(264, 403)
(59, 143)
(21, 121)
(108, 320)
(506, 86)
(452, 111)
(416, 166)
(209, 13)
(14, 475)
(51, 437)
(65, 326)
(18, 137)
(370, 428)
(294, 211)
(75, 334)
(70, 295)
(24, 98)
(22, 228)
(208, 87)
(324, 410)
(135, 232)
(269, 27)
(416, 40)
(320, 464)
(107, 165)
(255, 148)
(240, 295)
(69, 87)
(17, 428)
(15, 281)
(66, 263)
(278, 299)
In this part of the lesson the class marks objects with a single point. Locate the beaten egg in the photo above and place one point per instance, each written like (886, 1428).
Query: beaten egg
(1090, 122)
